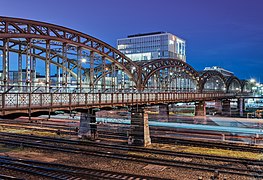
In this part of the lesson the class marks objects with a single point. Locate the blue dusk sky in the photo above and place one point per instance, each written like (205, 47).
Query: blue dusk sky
(226, 33)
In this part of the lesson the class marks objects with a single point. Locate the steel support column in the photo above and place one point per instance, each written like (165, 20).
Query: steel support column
(20, 64)
(169, 85)
(113, 77)
(64, 67)
(28, 66)
(47, 66)
(103, 82)
(58, 74)
(33, 68)
(91, 73)
(5, 63)
(79, 75)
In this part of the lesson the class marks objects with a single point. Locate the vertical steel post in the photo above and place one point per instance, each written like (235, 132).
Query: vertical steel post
(103, 83)
(122, 81)
(117, 79)
(64, 66)
(163, 80)
(68, 76)
(33, 68)
(20, 64)
(113, 75)
(176, 80)
(47, 66)
(91, 75)
(5, 63)
(169, 82)
(155, 82)
(58, 75)
(28, 66)
(189, 84)
(79, 78)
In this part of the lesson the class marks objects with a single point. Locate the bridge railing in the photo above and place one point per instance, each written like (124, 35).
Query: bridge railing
(11, 101)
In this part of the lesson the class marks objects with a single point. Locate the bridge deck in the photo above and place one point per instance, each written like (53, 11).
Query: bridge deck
(32, 102)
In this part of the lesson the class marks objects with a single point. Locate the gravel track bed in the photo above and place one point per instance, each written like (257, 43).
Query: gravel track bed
(114, 165)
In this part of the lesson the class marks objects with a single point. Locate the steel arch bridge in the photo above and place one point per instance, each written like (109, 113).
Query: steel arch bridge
(82, 70)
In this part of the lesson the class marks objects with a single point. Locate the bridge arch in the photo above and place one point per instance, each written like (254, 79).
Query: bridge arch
(41, 56)
(246, 86)
(212, 81)
(233, 84)
(169, 74)
(68, 41)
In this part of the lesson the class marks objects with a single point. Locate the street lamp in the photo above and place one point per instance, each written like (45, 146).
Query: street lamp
(252, 80)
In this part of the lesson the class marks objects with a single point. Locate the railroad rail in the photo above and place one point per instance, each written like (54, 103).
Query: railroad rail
(121, 154)
(109, 132)
(62, 172)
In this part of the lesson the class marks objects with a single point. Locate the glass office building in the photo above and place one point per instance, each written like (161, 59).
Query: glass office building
(157, 45)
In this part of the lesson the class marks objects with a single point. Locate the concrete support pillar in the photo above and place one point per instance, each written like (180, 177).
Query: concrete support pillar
(140, 133)
(200, 108)
(226, 108)
(163, 112)
(218, 106)
(241, 106)
(88, 125)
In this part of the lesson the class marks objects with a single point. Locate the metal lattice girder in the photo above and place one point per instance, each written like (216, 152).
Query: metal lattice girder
(245, 85)
(206, 75)
(151, 67)
(233, 80)
(40, 55)
(63, 47)
(22, 28)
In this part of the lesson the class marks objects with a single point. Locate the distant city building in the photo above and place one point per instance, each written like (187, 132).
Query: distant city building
(156, 45)
(14, 76)
(221, 70)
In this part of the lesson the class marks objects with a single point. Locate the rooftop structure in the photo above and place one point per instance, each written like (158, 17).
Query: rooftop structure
(221, 70)
(155, 45)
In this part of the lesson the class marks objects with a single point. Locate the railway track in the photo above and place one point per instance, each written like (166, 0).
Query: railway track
(120, 152)
(62, 172)
(187, 142)
(105, 133)
(120, 135)
(5, 177)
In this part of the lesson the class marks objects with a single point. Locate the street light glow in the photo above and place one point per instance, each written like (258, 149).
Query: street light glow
(252, 80)
(83, 60)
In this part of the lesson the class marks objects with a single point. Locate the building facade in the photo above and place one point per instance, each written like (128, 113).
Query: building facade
(157, 45)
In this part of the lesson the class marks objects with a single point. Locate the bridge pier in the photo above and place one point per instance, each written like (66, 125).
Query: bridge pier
(241, 106)
(139, 132)
(200, 108)
(164, 112)
(88, 126)
(226, 108)
(218, 106)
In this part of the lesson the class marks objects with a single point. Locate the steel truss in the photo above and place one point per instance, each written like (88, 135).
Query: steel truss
(79, 63)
